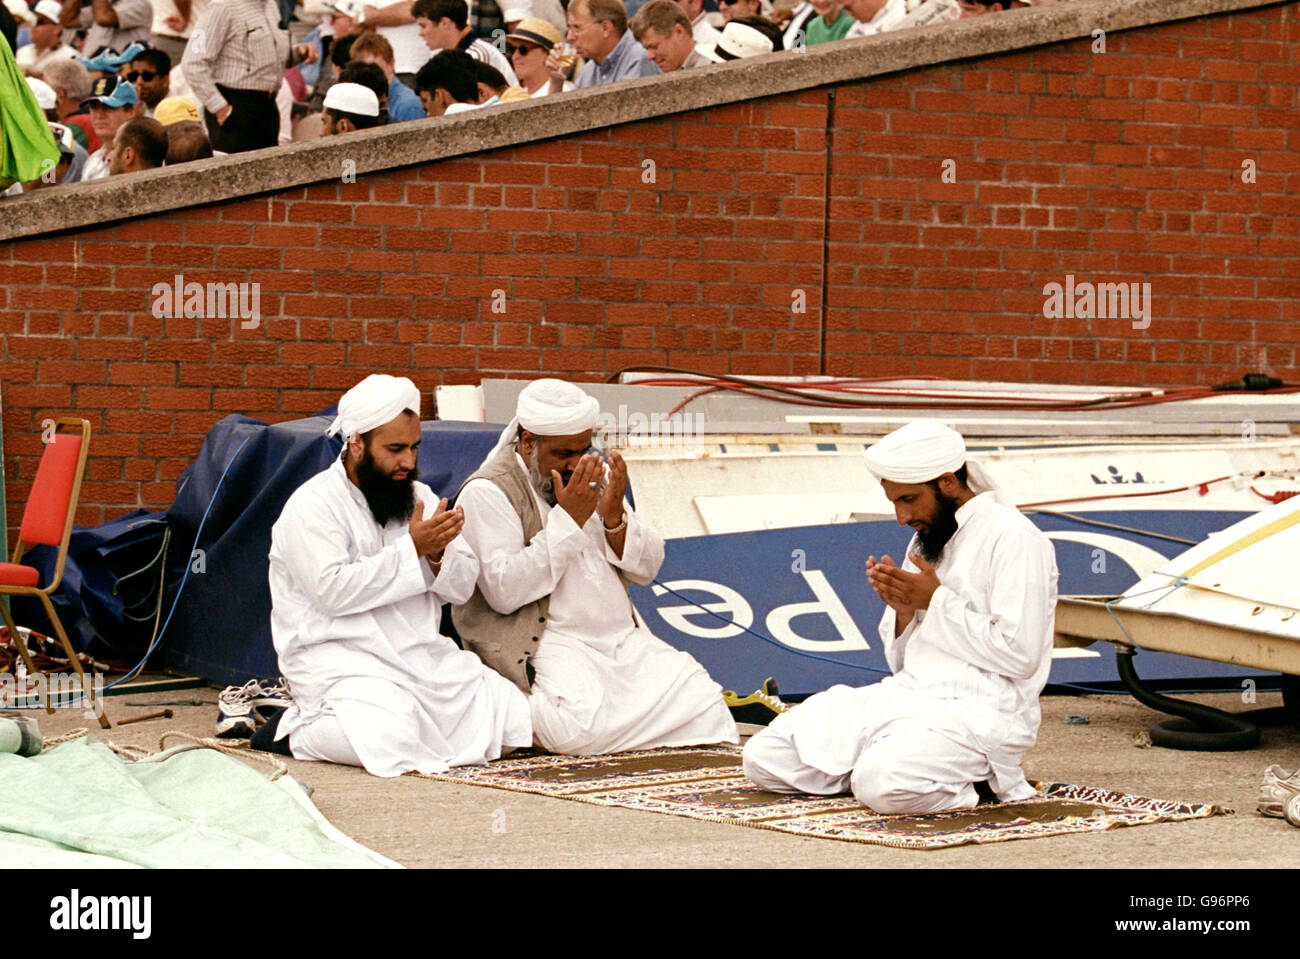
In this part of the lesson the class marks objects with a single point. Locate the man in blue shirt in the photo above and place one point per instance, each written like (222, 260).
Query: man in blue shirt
(598, 31)
(403, 103)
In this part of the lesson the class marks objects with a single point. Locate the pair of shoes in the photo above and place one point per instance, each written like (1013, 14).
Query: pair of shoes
(1278, 787)
(759, 708)
(241, 709)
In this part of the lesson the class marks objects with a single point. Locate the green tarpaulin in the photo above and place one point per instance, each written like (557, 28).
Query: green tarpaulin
(27, 147)
(81, 805)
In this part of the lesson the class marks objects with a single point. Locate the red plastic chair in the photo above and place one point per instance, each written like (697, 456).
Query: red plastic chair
(47, 521)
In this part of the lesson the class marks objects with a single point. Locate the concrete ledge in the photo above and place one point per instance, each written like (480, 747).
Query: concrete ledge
(422, 141)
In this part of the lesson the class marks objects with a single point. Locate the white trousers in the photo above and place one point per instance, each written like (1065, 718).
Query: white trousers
(641, 694)
(892, 764)
(324, 741)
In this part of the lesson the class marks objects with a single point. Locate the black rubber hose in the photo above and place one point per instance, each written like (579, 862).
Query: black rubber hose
(1201, 728)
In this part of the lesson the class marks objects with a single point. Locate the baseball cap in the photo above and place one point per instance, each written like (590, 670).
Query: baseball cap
(738, 41)
(536, 30)
(45, 96)
(175, 109)
(112, 92)
(352, 98)
(108, 60)
(49, 9)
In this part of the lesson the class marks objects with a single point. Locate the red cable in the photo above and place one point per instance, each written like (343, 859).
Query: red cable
(1158, 492)
(1281, 496)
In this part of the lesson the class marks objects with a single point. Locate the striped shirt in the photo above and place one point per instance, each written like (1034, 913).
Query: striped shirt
(238, 44)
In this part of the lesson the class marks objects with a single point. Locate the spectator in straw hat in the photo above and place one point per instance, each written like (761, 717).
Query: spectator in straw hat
(529, 44)
(741, 40)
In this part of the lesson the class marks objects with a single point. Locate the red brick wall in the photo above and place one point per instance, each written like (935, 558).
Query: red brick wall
(1117, 167)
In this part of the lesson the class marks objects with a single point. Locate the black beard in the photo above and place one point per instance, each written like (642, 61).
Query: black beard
(941, 529)
(388, 499)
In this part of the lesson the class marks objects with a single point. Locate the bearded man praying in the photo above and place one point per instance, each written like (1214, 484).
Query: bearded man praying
(362, 558)
(967, 632)
(557, 544)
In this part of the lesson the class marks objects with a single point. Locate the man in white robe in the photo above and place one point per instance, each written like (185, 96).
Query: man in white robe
(362, 557)
(557, 543)
(967, 632)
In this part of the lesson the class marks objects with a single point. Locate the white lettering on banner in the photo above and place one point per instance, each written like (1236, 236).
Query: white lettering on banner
(732, 605)
(827, 602)
(1143, 559)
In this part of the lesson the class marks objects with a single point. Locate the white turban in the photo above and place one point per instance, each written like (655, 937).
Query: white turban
(550, 407)
(376, 400)
(922, 451)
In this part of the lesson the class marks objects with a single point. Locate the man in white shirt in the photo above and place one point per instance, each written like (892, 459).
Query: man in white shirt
(967, 631)
(362, 557)
(705, 33)
(874, 16)
(557, 544)
(46, 46)
(112, 102)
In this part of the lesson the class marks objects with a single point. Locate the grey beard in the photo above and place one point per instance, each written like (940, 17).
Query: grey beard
(544, 485)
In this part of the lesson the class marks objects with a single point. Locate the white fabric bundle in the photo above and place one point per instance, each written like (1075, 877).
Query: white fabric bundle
(922, 451)
(376, 400)
(550, 407)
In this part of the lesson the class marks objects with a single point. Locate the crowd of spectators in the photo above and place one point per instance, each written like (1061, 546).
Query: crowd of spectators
(133, 84)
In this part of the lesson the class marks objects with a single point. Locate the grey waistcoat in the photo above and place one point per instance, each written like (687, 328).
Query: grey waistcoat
(506, 642)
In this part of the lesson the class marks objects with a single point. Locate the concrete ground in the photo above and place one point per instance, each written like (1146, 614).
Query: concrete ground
(426, 824)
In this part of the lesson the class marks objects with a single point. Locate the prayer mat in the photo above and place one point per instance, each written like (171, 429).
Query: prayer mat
(706, 783)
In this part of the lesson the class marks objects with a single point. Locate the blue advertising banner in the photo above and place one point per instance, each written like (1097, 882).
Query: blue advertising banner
(795, 603)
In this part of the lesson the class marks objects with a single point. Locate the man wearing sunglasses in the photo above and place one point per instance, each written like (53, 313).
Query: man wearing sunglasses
(150, 74)
(735, 9)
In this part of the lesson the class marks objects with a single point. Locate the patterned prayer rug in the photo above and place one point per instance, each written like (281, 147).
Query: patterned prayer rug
(706, 782)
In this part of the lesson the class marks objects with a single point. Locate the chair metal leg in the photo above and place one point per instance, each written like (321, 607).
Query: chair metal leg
(86, 689)
(21, 646)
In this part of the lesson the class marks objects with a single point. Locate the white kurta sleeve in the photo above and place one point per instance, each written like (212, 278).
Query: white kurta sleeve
(459, 572)
(895, 646)
(1010, 637)
(513, 573)
(643, 550)
(314, 547)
